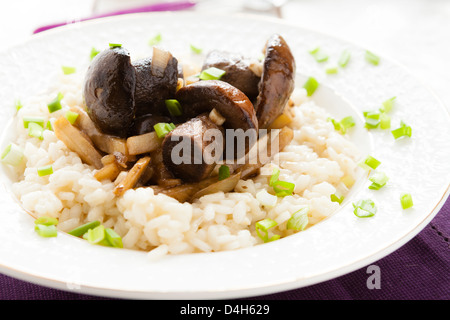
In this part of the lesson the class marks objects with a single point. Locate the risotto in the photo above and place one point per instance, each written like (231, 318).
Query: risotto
(319, 161)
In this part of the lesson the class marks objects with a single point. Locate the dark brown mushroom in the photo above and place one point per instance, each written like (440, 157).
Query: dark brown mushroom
(237, 69)
(156, 81)
(277, 80)
(231, 103)
(183, 149)
(109, 91)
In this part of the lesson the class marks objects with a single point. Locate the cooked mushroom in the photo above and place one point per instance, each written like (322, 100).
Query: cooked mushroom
(109, 91)
(156, 81)
(277, 81)
(183, 149)
(237, 69)
(144, 124)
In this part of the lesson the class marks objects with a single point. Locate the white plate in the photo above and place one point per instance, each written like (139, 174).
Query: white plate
(336, 246)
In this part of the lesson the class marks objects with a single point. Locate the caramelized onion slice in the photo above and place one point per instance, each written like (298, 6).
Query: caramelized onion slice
(225, 185)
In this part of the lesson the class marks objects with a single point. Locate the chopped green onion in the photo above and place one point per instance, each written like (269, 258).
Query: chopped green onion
(283, 188)
(46, 231)
(68, 70)
(336, 198)
(274, 176)
(311, 86)
(155, 40)
(372, 119)
(319, 55)
(224, 172)
(403, 131)
(372, 58)
(45, 171)
(406, 200)
(55, 104)
(262, 229)
(299, 220)
(331, 70)
(71, 116)
(35, 130)
(163, 128)
(47, 221)
(195, 49)
(81, 230)
(12, 155)
(266, 199)
(96, 235)
(39, 120)
(49, 126)
(115, 45)
(369, 163)
(113, 239)
(174, 107)
(344, 58)
(212, 73)
(94, 52)
(379, 180)
(387, 105)
(364, 208)
(385, 121)
(18, 105)
(343, 125)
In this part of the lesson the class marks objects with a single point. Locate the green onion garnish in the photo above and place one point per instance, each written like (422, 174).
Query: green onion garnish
(299, 220)
(196, 49)
(55, 104)
(68, 70)
(283, 188)
(35, 130)
(336, 198)
(403, 131)
(262, 229)
(47, 221)
(364, 208)
(174, 107)
(369, 163)
(79, 231)
(372, 58)
(387, 105)
(331, 70)
(12, 155)
(39, 120)
(45, 171)
(319, 55)
(224, 172)
(379, 180)
(163, 128)
(311, 86)
(46, 231)
(113, 239)
(212, 73)
(406, 200)
(18, 105)
(372, 119)
(155, 40)
(115, 45)
(94, 52)
(343, 125)
(344, 58)
(385, 121)
(71, 116)
(49, 126)
(274, 176)
(95, 235)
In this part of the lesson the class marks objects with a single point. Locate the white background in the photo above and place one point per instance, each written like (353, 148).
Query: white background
(415, 33)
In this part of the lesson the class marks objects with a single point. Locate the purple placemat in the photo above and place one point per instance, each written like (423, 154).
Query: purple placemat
(419, 270)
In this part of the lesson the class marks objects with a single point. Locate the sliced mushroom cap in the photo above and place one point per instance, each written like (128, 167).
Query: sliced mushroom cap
(237, 71)
(109, 91)
(277, 80)
(188, 152)
(155, 82)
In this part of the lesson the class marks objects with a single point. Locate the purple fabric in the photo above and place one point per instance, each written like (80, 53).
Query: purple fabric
(419, 270)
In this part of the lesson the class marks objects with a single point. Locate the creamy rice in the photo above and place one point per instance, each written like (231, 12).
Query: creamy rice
(319, 161)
